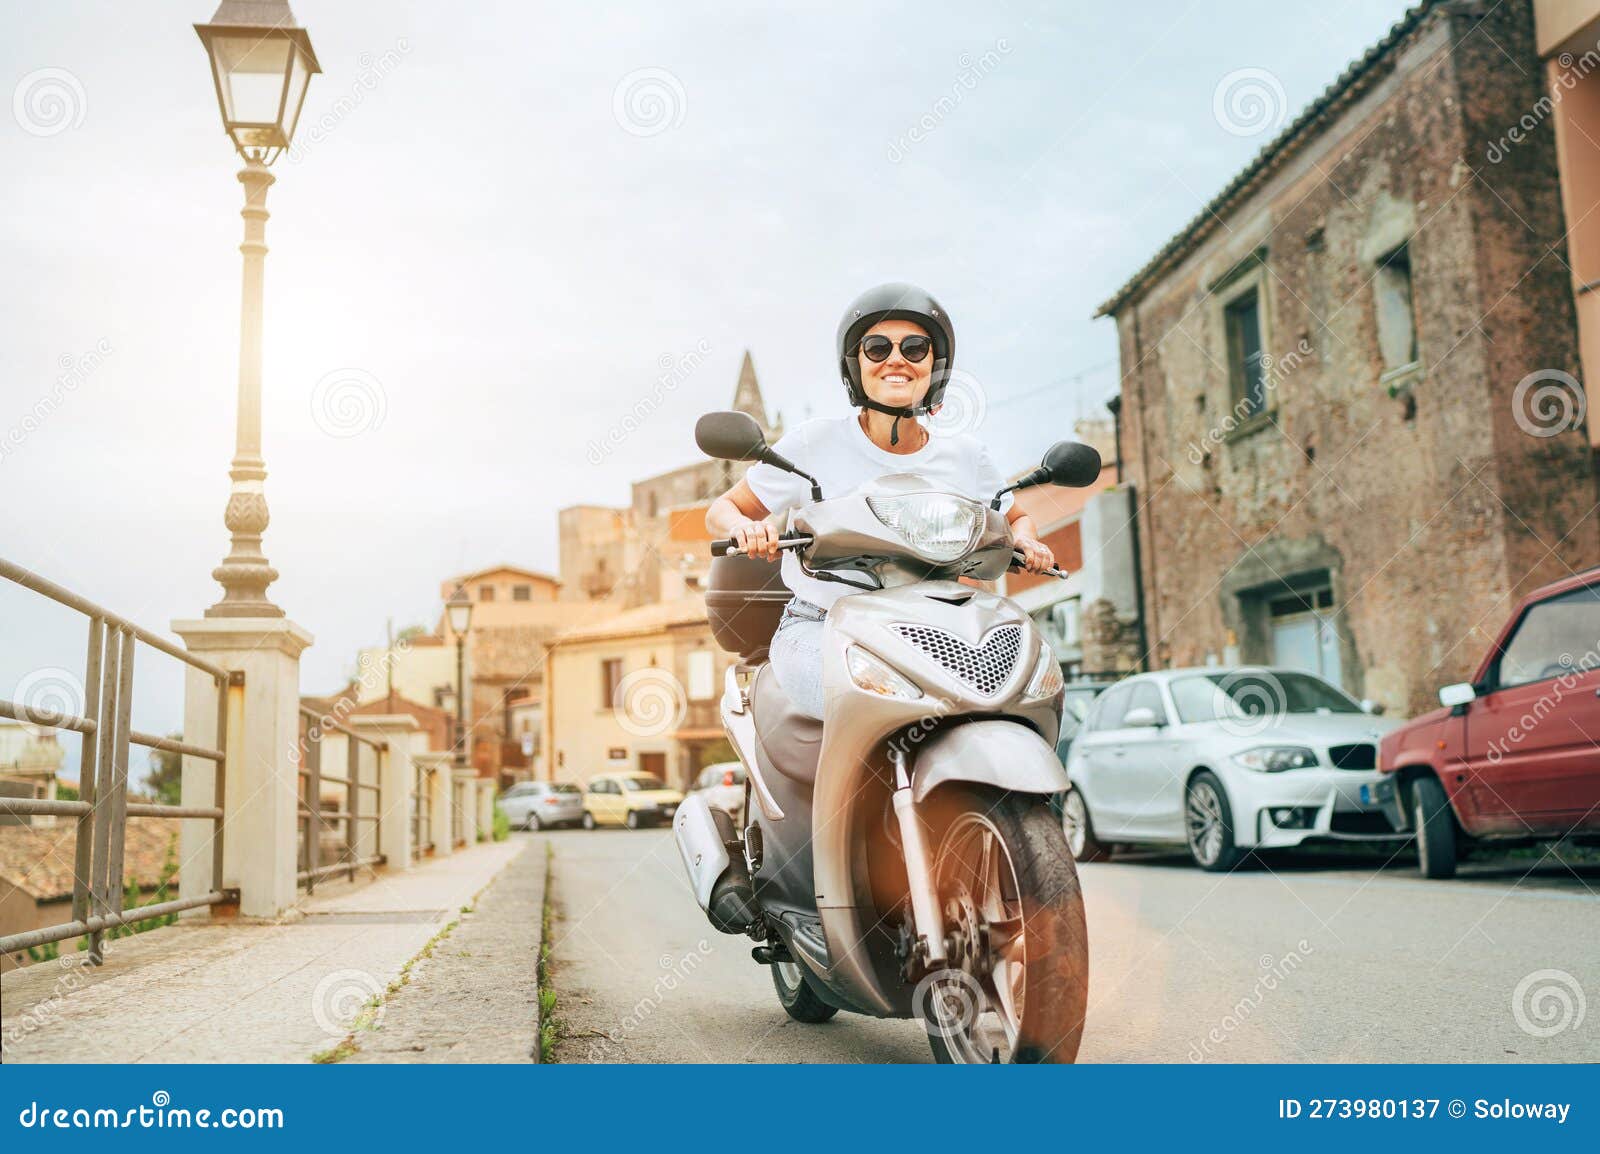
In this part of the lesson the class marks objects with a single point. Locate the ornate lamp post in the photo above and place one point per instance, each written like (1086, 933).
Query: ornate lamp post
(262, 63)
(459, 612)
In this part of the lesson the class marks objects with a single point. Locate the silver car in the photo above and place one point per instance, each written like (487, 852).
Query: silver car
(1225, 761)
(723, 785)
(534, 805)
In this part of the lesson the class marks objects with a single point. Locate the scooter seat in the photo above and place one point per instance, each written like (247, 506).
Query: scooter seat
(787, 741)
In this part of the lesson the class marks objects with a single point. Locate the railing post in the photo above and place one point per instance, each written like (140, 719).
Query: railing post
(261, 777)
(395, 777)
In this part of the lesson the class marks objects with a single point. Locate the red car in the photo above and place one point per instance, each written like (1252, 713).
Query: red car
(1515, 753)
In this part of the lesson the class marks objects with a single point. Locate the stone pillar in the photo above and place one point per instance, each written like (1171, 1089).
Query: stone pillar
(485, 808)
(440, 796)
(262, 783)
(396, 774)
(466, 791)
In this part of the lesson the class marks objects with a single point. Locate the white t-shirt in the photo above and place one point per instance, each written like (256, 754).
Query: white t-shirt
(840, 455)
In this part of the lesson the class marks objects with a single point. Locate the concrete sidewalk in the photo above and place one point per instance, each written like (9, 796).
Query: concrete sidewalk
(236, 992)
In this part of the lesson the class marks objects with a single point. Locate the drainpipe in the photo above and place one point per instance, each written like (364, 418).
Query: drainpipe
(1149, 509)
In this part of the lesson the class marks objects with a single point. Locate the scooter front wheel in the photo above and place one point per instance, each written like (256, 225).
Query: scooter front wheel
(1015, 985)
(796, 996)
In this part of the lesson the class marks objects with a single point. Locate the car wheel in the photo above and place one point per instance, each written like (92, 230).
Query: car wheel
(1079, 830)
(1436, 828)
(634, 820)
(588, 820)
(1208, 821)
(532, 824)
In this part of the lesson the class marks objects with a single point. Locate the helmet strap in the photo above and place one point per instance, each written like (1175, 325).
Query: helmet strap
(897, 412)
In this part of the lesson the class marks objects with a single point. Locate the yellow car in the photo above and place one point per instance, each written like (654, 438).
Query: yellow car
(631, 799)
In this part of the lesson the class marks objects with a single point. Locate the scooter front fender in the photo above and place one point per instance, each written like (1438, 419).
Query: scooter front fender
(1004, 754)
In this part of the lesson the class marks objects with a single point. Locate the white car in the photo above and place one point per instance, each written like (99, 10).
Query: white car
(1225, 761)
(722, 785)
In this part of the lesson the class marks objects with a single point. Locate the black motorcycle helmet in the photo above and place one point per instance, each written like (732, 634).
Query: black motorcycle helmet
(896, 302)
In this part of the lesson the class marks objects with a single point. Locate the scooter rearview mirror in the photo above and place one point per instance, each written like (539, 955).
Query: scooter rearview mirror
(1068, 463)
(730, 436)
(735, 436)
(1072, 464)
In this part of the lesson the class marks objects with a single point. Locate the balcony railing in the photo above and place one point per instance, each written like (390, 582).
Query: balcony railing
(103, 809)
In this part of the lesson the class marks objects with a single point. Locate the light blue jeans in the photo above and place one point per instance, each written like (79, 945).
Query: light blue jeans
(796, 655)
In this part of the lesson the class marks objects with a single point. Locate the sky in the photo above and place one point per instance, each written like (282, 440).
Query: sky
(505, 224)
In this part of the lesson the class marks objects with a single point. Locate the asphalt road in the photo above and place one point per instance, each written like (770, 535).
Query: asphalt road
(1305, 958)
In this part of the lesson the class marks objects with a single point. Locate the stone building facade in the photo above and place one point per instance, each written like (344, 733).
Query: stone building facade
(1332, 378)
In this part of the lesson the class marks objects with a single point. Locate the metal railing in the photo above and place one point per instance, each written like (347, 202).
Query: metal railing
(315, 821)
(103, 809)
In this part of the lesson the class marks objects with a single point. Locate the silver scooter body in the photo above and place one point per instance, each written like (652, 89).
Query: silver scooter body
(839, 869)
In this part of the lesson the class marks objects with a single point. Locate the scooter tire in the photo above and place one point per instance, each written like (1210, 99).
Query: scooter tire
(796, 996)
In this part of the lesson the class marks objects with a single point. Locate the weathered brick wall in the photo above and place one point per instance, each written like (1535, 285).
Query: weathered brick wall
(1431, 508)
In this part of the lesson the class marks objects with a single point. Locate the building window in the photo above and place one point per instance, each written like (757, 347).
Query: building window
(522, 593)
(610, 680)
(1396, 314)
(485, 592)
(1248, 381)
(702, 675)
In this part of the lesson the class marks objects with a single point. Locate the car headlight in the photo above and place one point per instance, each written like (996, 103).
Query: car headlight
(1276, 758)
(875, 677)
(1046, 680)
(939, 526)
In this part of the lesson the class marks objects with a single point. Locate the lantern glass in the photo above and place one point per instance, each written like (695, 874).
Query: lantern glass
(251, 74)
(294, 93)
(459, 611)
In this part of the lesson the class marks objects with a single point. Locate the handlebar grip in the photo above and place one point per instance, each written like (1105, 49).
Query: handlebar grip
(727, 548)
(1053, 571)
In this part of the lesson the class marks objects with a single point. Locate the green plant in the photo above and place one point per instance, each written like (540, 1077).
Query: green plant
(502, 824)
(165, 779)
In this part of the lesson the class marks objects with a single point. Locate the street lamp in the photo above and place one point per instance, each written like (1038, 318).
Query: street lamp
(261, 62)
(458, 611)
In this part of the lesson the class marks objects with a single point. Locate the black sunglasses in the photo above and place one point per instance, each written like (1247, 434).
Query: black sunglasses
(876, 348)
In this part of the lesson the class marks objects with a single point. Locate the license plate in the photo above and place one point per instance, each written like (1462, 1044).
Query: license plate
(1366, 795)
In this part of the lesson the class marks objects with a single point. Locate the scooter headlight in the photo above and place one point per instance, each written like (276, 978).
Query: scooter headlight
(1046, 680)
(939, 526)
(875, 677)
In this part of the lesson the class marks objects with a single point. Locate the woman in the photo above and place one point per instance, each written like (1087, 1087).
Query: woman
(896, 349)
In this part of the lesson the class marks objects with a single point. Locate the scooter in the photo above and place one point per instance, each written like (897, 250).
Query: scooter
(900, 858)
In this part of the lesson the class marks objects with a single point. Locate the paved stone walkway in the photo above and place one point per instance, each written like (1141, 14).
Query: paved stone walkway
(205, 991)
(475, 997)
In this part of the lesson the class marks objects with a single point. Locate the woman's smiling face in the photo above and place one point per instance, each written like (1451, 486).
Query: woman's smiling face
(896, 381)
